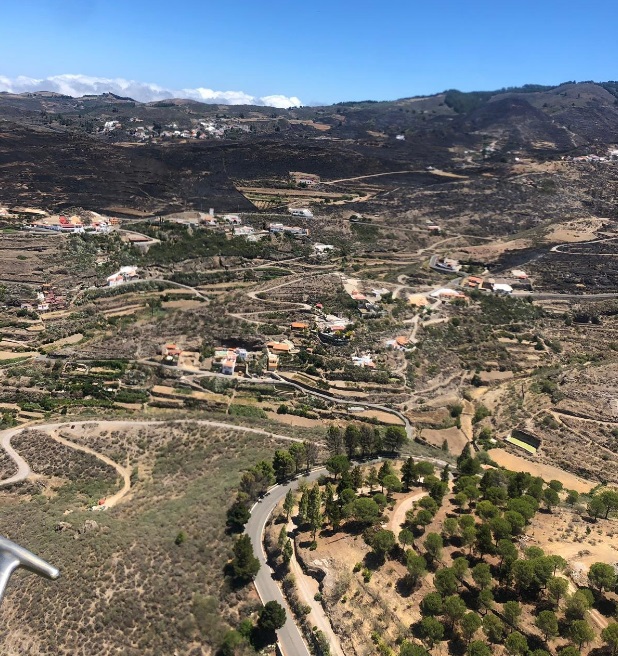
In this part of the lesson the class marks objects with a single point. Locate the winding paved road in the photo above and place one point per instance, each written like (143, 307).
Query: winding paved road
(290, 637)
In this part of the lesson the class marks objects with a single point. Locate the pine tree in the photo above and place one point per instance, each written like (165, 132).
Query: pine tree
(314, 510)
(334, 440)
(303, 507)
(288, 504)
(244, 565)
(372, 478)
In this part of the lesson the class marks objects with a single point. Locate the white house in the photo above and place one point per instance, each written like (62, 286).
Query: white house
(322, 249)
(303, 212)
(121, 276)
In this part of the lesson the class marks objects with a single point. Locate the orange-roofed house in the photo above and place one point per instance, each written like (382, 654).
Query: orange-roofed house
(280, 347)
(299, 325)
(171, 350)
(402, 340)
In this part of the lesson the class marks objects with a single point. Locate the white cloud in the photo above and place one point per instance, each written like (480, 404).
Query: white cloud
(83, 85)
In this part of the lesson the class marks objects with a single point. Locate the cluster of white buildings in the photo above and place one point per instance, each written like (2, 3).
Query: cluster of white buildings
(124, 274)
(295, 231)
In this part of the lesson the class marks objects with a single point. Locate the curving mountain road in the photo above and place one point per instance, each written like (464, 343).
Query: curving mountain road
(290, 637)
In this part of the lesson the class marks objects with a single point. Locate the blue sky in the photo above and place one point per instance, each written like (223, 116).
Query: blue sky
(315, 51)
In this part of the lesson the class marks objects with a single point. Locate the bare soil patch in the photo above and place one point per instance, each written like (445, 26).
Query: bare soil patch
(547, 472)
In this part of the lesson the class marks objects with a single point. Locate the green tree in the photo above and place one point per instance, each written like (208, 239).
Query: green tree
(450, 528)
(500, 528)
(314, 510)
(364, 511)
(478, 648)
(493, 628)
(460, 568)
(432, 604)
(392, 484)
(298, 453)
(610, 637)
(550, 498)
(395, 438)
(485, 600)
(237, 516)
(334, 440)
(602, 577)
(303, 507)
(283, 464)
(569, 651)
(272, 617)
(351, 440)
(581, 633)
(445, 581)
(469, 625)
(372, 479)
(596, 508)
(433, 546)
(424, 517)
(547, 623)
(511, 612)
(523, 573)
(454, 609)
(412, 649)
(288, 503)
(416, 566)
(244, 565)
(337, 465)
(386, 469)
(357, 477)
(481, 574)
(577, 605)
(610, 501)
(431, 631)
(365, 440)
(516, 644)
(516, 520)
(406, 537)
(486, 510)
(484, 541)
(409, 474)
(556, 588)
(468, 536)
(572, 497)
(288, 551)
(382, 542)
(232, 642)
(507, 551)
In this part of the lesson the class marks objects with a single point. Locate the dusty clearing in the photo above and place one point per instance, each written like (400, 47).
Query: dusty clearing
(563, 532)
(9, 355)
(547, 472)
(454, 437)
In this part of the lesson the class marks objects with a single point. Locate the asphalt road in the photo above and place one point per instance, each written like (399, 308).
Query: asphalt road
(290, 639)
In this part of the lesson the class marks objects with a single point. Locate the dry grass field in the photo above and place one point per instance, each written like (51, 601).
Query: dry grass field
(126, 586)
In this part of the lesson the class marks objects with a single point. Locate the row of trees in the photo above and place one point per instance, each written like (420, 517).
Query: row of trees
(364, 440)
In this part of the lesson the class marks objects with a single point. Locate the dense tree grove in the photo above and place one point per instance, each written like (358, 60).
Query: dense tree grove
(491, 593)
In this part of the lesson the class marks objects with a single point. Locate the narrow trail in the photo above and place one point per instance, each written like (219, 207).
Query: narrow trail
(466, 420)
(307, 588)
(23, 469)
(124, 472)
(399, 513)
